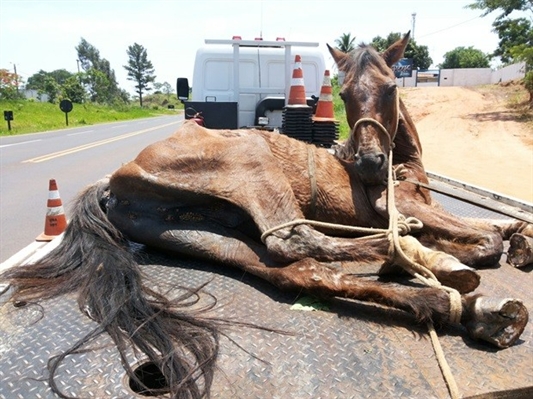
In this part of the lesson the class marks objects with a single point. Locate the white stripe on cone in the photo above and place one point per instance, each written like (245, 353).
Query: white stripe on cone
(53, 194)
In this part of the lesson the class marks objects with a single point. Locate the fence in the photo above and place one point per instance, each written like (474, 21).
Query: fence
(464, 76)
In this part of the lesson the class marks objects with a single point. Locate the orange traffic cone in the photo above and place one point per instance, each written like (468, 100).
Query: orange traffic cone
(324, 108)
(56, 221)
(297, 91)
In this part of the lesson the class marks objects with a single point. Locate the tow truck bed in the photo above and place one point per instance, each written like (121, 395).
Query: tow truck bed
(352, 350)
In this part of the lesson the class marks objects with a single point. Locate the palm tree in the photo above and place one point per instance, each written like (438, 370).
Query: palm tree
(345, 43)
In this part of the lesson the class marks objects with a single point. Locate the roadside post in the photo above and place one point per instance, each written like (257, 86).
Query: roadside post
(66, 107)
(8, 116)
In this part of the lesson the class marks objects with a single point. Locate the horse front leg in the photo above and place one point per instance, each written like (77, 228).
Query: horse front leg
(520, 252)
(519, 234)
(473, 244)
(446, 268)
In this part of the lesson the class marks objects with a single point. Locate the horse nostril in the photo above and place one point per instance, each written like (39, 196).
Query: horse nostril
(381, 158)
(372, 167)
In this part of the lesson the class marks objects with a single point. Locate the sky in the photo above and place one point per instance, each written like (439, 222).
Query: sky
(43, 34)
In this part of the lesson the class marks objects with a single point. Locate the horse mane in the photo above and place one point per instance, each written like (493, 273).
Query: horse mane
(360, 57)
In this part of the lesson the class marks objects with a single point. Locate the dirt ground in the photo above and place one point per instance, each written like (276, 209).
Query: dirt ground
(476, 135)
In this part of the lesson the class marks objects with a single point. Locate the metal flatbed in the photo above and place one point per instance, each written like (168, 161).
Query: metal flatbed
(353, 350)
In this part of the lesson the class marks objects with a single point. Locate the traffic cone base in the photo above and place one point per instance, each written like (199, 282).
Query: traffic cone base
(55, 222)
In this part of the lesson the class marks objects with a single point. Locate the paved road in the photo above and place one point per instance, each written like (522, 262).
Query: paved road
(75, 158)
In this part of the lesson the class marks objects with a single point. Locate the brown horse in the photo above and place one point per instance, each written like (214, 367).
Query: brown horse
(243, 198)
(378, 119)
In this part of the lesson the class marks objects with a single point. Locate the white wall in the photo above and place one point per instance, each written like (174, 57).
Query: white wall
(510, 72)
(407, 82)
(481, 76)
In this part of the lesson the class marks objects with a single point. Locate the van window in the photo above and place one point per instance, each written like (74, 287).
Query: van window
(276, 76)
(218, 75)
(248, 74)
(310, 75)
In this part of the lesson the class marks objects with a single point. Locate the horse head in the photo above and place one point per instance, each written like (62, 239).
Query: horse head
(371, 100)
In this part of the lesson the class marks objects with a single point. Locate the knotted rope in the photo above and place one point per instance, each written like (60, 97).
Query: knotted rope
(398, 225)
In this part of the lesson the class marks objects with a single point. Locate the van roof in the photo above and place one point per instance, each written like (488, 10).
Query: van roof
(261, 43)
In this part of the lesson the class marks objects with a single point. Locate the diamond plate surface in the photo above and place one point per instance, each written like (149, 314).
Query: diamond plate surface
(354, 350)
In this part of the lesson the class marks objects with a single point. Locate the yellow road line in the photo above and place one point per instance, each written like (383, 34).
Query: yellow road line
(58, 154)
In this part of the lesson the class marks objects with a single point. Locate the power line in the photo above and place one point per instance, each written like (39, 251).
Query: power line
(450, 27)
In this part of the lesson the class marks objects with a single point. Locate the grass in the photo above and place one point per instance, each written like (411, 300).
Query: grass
(340, 113)
(31, 116)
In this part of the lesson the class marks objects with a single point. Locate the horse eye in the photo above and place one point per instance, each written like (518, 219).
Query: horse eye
(391, 90)
(342, 96)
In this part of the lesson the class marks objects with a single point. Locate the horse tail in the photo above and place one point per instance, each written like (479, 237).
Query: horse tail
(93, 259)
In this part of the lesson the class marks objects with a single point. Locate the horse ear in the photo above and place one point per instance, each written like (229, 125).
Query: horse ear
(396, 50)
(339, 57)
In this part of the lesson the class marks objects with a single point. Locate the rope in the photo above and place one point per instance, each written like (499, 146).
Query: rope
(312, 178)
(398, 225)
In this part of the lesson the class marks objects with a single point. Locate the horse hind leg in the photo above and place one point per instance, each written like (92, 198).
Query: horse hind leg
(498, 321)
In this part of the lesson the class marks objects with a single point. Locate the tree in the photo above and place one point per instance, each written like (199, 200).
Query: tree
(37, 80)
(345, 43)
(462, 57)
(73, 90)
(512, 33)
(51, 88)
(419, 54)
(515, 34)
(50, 83)
(100, 78)
(98, 85)
(9, 83)
(140, 69)
(167, 89)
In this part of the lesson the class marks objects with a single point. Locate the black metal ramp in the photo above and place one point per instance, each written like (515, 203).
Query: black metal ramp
(352, 350)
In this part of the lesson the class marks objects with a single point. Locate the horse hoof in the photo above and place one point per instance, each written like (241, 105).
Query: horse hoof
(498, 321)
(456, 275)
(520, 252)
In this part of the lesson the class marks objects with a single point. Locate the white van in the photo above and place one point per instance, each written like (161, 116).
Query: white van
(255, 93)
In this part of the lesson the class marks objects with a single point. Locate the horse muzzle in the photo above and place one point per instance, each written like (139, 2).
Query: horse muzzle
(372, 167)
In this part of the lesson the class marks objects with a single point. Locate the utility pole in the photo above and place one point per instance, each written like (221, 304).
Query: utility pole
(16, 76)
(413, 30)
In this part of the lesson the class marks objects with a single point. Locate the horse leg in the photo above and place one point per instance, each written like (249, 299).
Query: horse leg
(474, 245)
(446, 268)
(519, 234)
(499, 322)
(520, 252)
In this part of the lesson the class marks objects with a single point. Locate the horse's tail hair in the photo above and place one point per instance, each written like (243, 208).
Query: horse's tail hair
(93, 260)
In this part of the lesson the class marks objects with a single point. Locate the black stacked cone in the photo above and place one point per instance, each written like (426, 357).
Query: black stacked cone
(325, 133)
(297, 122)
